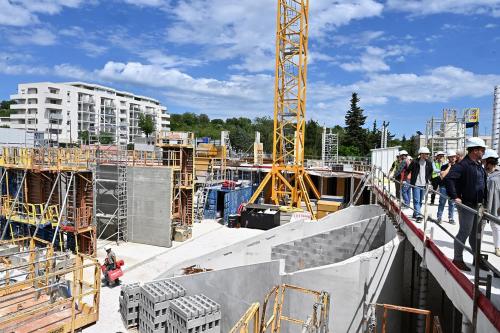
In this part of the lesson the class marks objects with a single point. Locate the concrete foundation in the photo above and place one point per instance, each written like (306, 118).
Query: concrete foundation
(149, 204)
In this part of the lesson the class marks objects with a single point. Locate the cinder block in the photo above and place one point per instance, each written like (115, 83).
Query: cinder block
(154, 302)
(194, 314)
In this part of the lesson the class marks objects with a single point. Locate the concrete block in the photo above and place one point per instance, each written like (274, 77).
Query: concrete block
(194, 314)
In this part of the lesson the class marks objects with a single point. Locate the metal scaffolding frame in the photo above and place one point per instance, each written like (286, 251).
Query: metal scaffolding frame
(445, 133)
(329, 147)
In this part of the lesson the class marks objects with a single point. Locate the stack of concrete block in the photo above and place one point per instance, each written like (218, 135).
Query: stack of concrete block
(129, 304)
(331, 246)
(155, 299)
(192, 314)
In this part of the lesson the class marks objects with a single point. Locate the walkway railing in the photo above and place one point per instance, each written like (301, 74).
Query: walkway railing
(382, 182)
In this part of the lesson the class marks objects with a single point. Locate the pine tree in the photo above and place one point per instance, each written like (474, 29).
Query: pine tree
(356, 136)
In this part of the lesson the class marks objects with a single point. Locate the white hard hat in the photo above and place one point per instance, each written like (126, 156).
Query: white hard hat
(424, 150)
(490, 153)
(475, 142)
(403, 152)
(440, 152)
(452, 152)
(107, 247)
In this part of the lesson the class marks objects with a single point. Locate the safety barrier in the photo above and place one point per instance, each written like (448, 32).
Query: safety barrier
(382, 183)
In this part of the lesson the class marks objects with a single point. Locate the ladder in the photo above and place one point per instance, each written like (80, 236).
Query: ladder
(202, 195)
(121, 189)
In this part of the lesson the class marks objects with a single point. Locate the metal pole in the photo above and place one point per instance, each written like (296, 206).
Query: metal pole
(422, 293)
(7, 223)
(62, 208)
(477, 261)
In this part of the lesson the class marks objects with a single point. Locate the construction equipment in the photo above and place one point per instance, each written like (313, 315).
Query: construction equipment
(113, 275)
(288, 177)
(255, 321)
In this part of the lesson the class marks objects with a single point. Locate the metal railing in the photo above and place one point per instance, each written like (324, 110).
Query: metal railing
(383, 183)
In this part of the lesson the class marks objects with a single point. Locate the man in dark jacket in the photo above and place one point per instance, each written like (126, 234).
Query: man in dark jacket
(466, 184)
(421, 172)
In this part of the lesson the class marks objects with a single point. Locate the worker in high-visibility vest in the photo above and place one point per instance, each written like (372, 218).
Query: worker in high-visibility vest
(436, 170)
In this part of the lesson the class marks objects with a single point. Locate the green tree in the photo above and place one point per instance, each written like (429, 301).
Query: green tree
(146, 124)
(106, 138)
(313, 140)
(84, 136)
(355, 135)
(5, 110)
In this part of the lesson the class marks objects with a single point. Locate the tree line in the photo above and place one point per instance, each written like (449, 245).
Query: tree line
(355, 139)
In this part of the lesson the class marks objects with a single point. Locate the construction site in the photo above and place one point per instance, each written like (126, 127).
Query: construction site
(208, 240)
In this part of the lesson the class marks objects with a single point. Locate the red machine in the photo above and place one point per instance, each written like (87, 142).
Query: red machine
(115, 274)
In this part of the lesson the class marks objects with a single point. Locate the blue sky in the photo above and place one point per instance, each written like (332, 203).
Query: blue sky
(407, 59)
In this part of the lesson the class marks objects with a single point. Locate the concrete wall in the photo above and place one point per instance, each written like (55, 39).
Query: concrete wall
(258, 248)
(374, 276)
(235, 289)
(371, 277)
(149, 202)
(332, 246)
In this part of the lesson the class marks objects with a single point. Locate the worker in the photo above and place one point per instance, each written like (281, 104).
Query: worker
(460, 155)
(490, 162)
(436, 170)
(466, 184)
(392, 174)
(110, 261)
(443, 197)
(400, 176)
(421, 171)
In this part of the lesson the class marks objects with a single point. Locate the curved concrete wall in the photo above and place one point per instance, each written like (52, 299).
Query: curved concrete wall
(258, 249)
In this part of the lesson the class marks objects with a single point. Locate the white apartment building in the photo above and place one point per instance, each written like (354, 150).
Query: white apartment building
(495, 126)
(63, 110)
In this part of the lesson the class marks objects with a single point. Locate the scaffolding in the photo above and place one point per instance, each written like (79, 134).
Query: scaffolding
(178, 152)
(445, 133)
(47, 192)
(255, 319)
(41, 289)
(330, 147)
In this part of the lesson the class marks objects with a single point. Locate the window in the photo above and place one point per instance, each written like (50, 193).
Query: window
(32, 91)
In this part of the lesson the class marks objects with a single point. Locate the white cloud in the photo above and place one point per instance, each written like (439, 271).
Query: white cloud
(92, 49)
(157, 57)
(229, 29)
(24, 12)
(15, 15)
(426, 7)
(147, 3)
(374, 58)
(74, 72)
(439, 85)
(14, 64)
(40, 36)
(490, 26)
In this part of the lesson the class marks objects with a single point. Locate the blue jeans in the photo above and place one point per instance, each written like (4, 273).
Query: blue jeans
(442, 202)
(418, 197)
(405, 192)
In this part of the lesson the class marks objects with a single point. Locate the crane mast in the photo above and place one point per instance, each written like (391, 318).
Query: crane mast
(289, 179)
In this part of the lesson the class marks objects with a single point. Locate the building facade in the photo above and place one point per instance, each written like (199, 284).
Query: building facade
(495, 126)
(68, 112)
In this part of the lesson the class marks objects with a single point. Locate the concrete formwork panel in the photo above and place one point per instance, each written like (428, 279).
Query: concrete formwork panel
(149, 205)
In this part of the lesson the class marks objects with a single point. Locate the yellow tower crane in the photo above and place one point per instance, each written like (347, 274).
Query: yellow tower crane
(289, 180)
